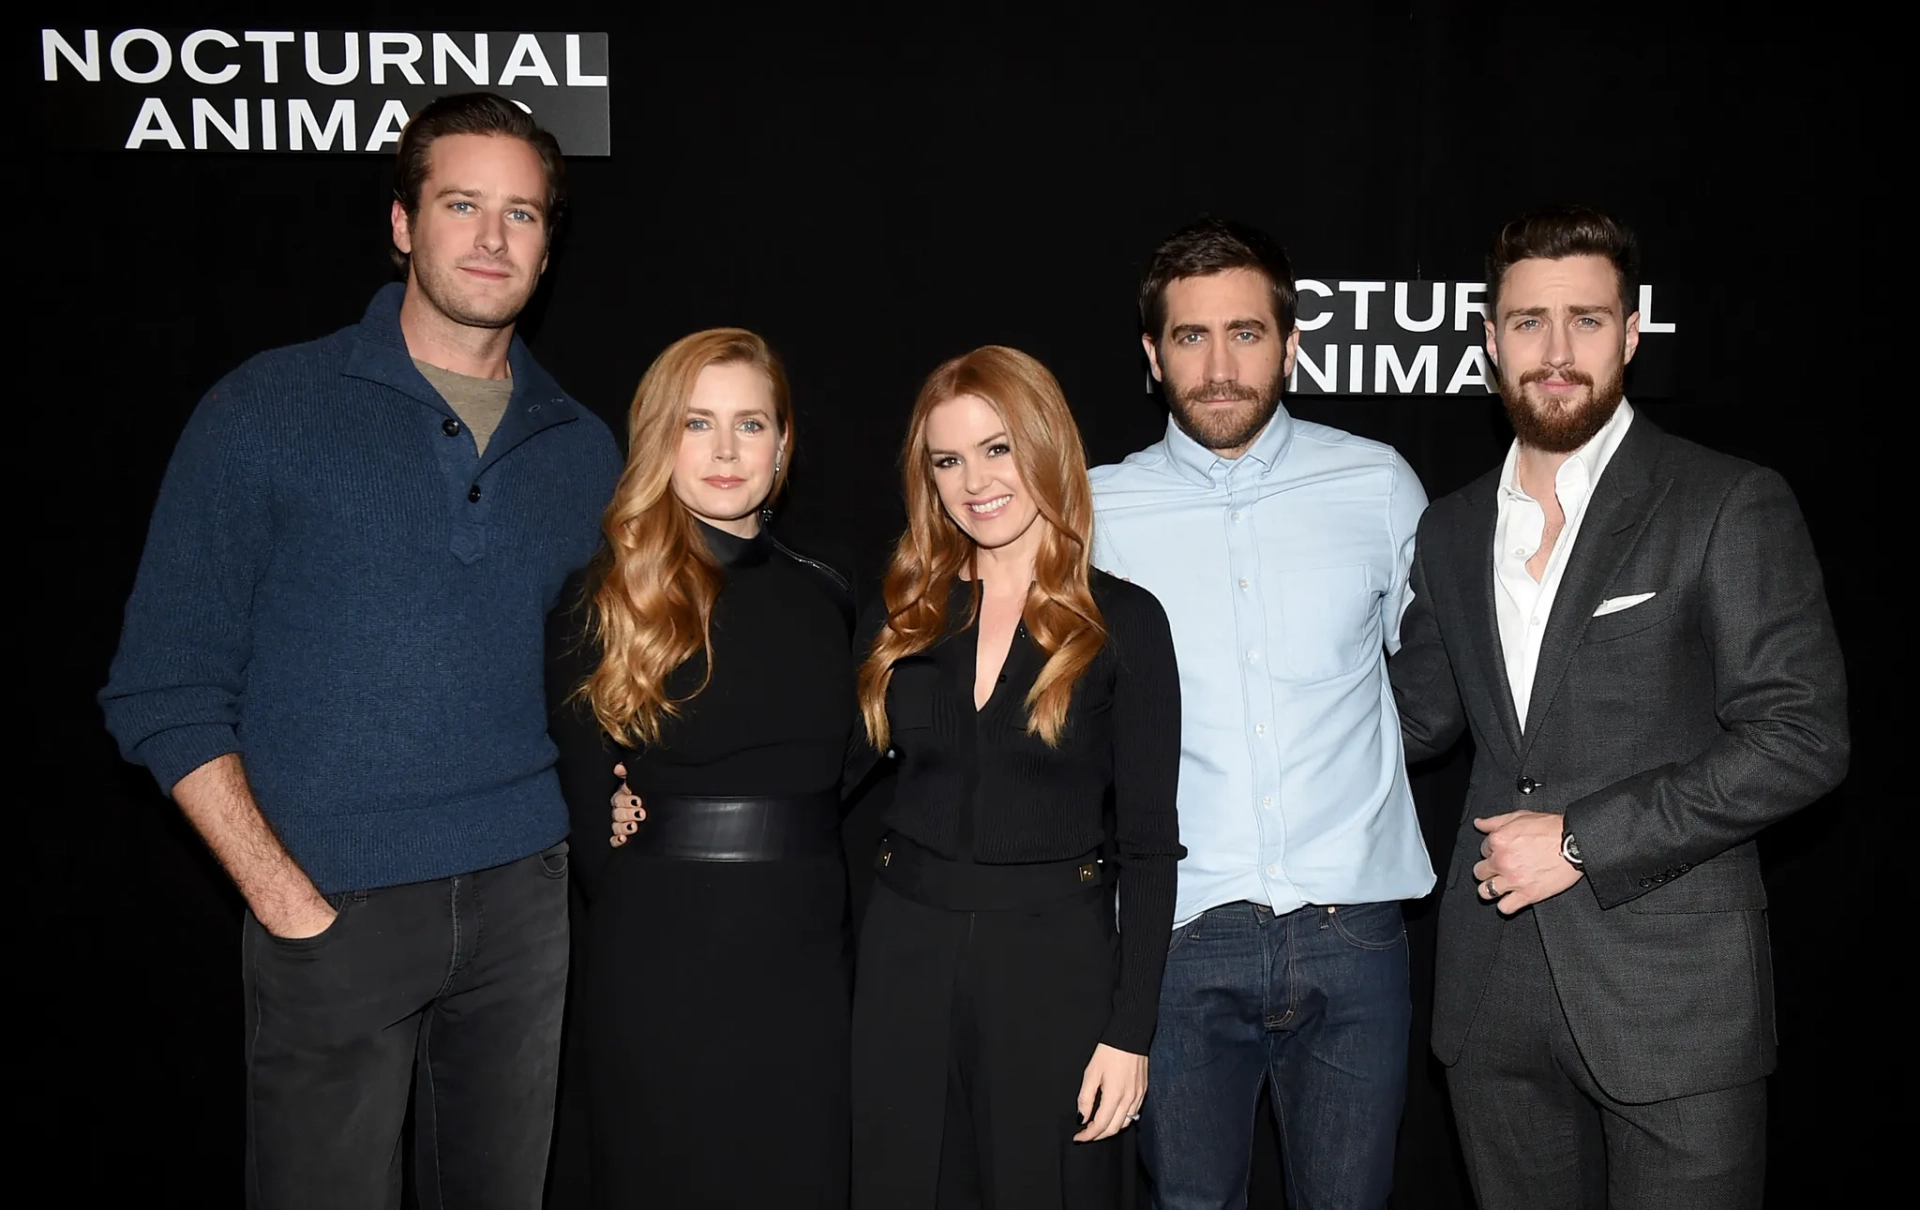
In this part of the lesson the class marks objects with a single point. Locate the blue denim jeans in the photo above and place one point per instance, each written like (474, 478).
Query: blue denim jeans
(1316, 1002)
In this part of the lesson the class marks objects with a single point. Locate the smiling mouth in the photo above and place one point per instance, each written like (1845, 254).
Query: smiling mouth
(989, 507)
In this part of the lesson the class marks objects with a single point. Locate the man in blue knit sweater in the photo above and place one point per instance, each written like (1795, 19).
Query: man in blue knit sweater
(332, 660)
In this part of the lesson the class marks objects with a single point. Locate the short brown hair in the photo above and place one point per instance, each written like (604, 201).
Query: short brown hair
(486, 113)
(1207, 247)
(1558, 232)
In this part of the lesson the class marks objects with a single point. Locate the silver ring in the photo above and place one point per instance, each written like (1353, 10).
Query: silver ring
(1133, 1117)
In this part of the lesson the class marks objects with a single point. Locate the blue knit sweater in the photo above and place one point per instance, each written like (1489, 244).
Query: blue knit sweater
(338, 588)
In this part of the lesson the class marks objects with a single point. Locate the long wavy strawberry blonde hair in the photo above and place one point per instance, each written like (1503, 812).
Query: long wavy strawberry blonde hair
(1060, 613)
(653, 584)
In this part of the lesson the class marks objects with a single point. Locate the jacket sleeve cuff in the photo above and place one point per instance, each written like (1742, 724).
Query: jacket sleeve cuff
(172, 754)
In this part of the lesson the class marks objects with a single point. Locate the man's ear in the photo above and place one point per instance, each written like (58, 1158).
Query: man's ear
(1153, 357)
(402, 228)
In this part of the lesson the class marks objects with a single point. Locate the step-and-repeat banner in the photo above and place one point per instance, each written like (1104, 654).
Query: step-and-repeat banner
(306, 90)
(334, 91)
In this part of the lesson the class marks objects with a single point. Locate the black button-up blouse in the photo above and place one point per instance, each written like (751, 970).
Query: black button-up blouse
(975, 786)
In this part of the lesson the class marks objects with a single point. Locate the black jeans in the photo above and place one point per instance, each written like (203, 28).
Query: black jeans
(449, 990)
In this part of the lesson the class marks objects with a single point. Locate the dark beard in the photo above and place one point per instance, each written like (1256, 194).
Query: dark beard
(1228, 431)
(1563, 429)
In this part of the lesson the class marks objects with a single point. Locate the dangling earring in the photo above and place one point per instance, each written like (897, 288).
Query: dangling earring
(766, 510)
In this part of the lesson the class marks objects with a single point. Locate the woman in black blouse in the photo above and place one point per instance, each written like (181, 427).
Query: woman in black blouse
(1000, 1028)
(711, 1008)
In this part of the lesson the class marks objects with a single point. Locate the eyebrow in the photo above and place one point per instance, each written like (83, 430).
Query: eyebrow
(984, 441)
(1258, 325)
(753, 411)
(1544, 312)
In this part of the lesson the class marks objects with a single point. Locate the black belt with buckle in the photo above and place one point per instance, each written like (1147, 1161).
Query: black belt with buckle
(743, 828)
(914, 872)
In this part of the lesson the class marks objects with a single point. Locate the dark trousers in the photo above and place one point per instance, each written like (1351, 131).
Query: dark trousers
(450, 991)
(1314, 1002)
(1540, 1134)
(972, 1031)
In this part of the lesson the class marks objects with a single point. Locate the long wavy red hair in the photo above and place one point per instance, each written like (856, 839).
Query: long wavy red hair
(652, 587)
(1060, 612)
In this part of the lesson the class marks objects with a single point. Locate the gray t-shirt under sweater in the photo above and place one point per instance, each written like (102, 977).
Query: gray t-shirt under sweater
(479, 402)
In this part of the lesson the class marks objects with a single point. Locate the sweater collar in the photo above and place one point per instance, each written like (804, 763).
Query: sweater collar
(734, 551)
(379, 354)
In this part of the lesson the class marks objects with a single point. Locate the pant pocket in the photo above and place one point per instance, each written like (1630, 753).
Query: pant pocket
(1367, 926)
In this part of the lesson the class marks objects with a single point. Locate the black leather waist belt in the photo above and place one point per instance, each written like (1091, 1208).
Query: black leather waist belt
(765, 828)
(913, 872)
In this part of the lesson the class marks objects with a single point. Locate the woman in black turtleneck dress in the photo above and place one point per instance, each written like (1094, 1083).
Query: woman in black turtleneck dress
(711, 1010)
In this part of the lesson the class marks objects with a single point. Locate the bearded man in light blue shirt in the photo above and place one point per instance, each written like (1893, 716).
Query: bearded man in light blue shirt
(1280, 550)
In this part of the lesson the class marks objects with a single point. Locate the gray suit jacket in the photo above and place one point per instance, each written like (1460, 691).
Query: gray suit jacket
(1668, 733)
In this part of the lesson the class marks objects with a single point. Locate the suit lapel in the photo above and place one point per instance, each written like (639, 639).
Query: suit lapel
(1623, 500)
(1483, 623)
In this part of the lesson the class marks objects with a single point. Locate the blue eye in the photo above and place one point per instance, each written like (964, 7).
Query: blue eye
(696, 424)
(752, 426)
(457, 206)
(520, 215)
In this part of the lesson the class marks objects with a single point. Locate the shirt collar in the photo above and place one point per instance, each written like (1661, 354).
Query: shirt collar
(1583, 467)
(1198, 463)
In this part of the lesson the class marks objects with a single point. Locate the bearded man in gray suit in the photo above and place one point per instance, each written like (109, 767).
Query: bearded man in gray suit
(1635, 631)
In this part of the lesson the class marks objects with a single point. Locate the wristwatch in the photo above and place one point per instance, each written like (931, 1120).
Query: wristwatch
(1570, 849)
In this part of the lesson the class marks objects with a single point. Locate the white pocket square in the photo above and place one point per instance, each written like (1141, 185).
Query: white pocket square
(1616, 604)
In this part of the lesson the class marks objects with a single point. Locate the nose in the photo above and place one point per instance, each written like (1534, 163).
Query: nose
(491, 234)
(1220, 366)
(1559, 350)
(727, 448)
(976, 479)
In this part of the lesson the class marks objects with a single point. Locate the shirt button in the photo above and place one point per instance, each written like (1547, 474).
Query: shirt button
(1266, 800)
(450, 427)
(1253, 657)
(1273, 869)
(1519, 552)
(1235, 515)
(1259, 728)
(1536, 621)
(1243, 584)
(473, 494)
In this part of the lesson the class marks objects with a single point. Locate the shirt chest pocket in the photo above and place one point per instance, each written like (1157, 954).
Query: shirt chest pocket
(1325, 617)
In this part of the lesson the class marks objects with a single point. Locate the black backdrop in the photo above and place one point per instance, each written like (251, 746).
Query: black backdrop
(873, 195)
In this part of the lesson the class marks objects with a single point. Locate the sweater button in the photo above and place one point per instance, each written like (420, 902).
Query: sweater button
(450, 427)
(473, 494)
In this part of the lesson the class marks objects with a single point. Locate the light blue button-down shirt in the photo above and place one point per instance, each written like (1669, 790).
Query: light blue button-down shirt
(1283, 574)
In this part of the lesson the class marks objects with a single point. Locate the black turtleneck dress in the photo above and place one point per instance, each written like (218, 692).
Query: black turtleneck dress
(711, 1012)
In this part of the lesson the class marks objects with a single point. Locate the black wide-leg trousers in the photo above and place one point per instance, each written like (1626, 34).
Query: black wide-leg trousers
(972, 1033)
